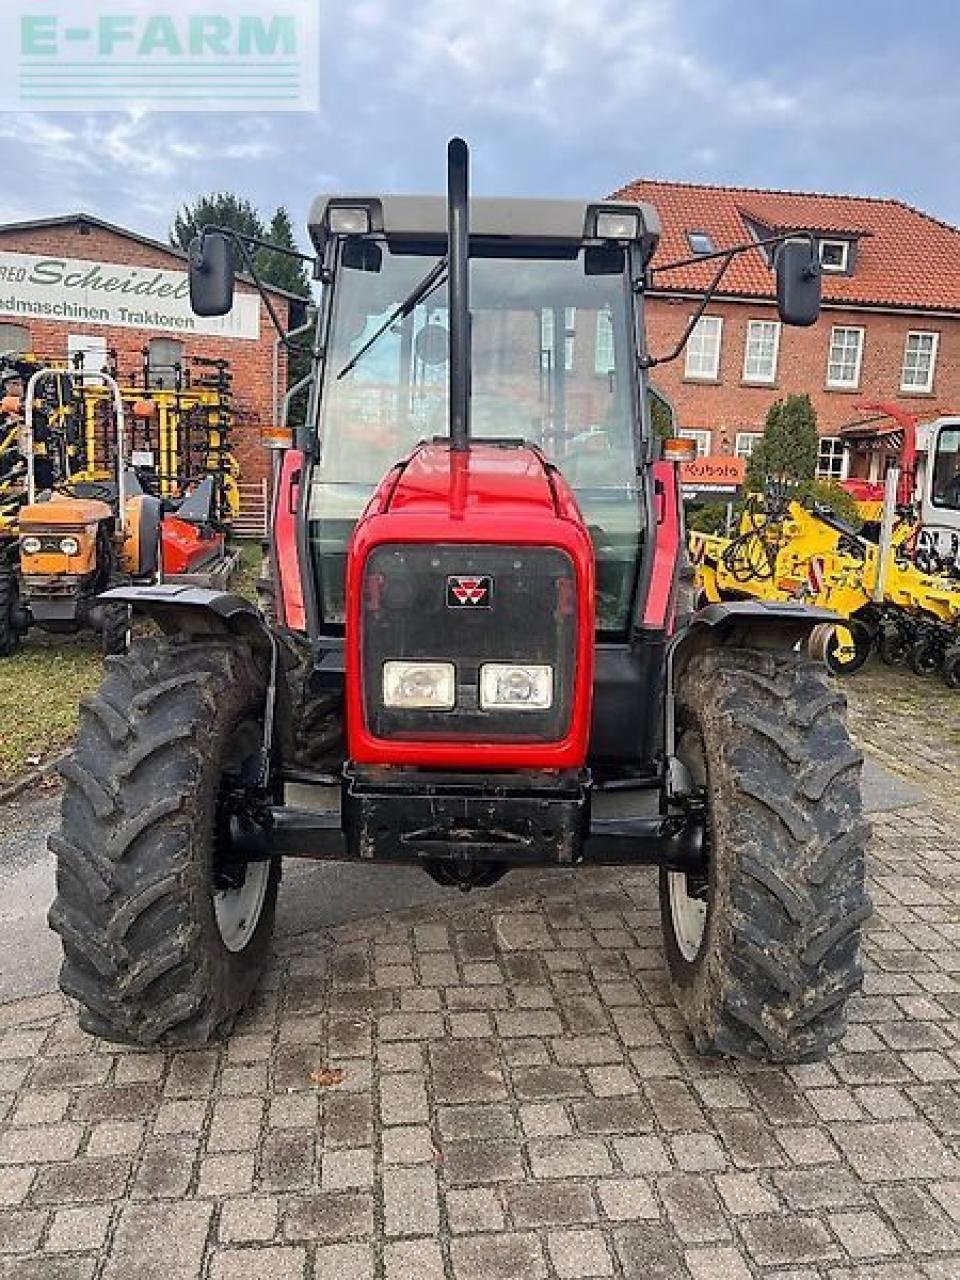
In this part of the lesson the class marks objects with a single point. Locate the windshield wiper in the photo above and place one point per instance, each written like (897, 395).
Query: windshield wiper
(432, 280)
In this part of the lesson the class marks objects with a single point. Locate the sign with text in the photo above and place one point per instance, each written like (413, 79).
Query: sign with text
(182, 55)
(715, 478)
(77, 291)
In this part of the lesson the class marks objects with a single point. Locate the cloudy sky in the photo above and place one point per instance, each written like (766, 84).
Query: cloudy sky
(557, 97)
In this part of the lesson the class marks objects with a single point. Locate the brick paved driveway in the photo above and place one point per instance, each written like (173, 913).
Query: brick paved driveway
(519, 1099)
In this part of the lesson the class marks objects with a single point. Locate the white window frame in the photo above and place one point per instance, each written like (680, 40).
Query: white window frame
(931, 371)
(604, 353)
(764, 379)
(845, 261)
(827, 473)
(753, 436)
(702, 375)
(703, 439)
(842, 384)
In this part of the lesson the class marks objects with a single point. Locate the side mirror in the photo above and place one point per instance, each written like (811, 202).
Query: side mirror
(212, 274)
(798, 283)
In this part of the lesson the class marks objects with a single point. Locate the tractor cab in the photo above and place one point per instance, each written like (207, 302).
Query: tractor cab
(553, 335)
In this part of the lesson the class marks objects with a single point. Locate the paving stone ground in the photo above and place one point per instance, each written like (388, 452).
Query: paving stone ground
(519, 1099)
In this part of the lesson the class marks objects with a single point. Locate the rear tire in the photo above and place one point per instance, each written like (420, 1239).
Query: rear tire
(149, 952)
(764, 952)
(9, 607)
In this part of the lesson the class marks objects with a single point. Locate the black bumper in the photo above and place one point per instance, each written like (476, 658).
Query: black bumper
(515, 820)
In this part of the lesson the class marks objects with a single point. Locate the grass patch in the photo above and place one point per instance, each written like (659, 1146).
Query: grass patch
(40, 687)
(42, 684)
(245, 580)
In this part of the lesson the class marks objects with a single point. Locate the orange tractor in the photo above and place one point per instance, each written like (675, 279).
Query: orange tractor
(81, 528)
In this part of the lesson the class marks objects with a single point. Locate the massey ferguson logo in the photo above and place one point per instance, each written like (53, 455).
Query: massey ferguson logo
(469, 593)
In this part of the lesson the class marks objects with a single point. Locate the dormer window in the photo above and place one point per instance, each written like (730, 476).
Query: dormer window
(835, 256)
(700, 242)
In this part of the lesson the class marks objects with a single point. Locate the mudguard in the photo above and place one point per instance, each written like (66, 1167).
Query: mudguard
(777, 624)
(193, 610)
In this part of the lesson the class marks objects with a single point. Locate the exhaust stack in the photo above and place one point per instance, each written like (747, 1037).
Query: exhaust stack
(458, 249)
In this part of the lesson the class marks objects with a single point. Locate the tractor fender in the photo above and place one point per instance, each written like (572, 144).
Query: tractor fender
(757, 623)
(193, 610)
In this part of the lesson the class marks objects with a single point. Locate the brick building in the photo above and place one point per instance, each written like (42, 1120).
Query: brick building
(78, 283)
(890, 327)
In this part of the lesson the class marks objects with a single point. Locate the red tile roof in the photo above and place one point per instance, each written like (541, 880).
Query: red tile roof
(904, 258)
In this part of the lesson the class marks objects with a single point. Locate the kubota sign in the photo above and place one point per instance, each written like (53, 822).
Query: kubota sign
(717, 477)
(185, 55)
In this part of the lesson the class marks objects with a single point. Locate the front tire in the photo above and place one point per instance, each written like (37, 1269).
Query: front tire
(763, 951)
(163, 942)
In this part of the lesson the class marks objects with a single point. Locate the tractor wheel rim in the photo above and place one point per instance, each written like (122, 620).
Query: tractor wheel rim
(688, 916)
(238, 910)
(688, 912)
(238, 907)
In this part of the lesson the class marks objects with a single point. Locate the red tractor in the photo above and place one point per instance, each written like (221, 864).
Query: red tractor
(480, 635)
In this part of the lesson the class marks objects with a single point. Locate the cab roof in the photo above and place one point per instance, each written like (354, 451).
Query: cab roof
(532, 221)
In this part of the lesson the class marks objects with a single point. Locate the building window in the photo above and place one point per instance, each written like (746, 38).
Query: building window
(703, 350)
(604, 356)
(569, 324)
(88, 354)
(846, 353)
(919, 361)
(14, 339)
(700, 242)
(835, 255)
(760, 353)
(702, 439)
(746, 442)
(547, 334)
(165, 355)
(831, 458)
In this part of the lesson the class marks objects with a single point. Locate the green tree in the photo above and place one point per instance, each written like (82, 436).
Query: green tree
(826, 493)
(225, 209)
(220, 209)
(662, 414)
(280, 269)
(787, 453)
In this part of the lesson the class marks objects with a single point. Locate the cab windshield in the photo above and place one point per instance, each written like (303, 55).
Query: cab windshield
(946, 470)
(551, 364)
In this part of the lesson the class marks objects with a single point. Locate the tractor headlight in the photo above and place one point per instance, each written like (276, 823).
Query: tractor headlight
(507, 686)
(70, 546)
(419, 686)
(617, 226)
(349, 220)
(31, 546)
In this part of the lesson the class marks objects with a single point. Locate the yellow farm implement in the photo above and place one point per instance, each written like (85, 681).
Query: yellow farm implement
(783, 551)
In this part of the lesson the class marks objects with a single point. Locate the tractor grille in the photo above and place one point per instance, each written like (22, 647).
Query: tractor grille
(469, 605)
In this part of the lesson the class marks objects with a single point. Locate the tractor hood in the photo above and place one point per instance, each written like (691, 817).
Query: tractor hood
(62, 512)
(505, 482)
(466, 557)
